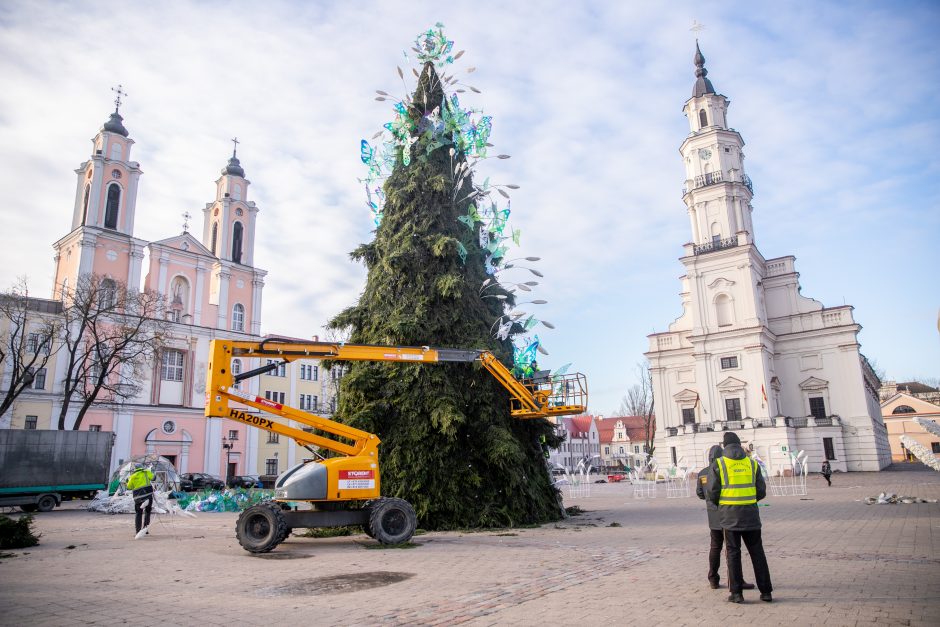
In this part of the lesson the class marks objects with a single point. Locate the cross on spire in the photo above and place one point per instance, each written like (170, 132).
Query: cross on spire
(186, 218)
(119, 90)
(235, 142)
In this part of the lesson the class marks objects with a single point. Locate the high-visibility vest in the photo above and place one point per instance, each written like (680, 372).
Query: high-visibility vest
(738, 481)
(139, 479)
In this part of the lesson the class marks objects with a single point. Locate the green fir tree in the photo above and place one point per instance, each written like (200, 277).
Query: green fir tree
(449, 444)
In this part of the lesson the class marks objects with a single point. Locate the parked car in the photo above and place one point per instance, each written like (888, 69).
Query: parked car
(186, 485)
(202, 480)
(244, 481)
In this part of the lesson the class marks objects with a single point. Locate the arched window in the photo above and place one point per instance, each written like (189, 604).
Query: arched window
(215, 236)
(724, 307)
(716, 232)
(236, 369)
(237, 192)
(111, 209)
(116, 151)
(106, 293)
(238, 317)
(85, 203)
(237, 242)
(904, 409)
(702, 118)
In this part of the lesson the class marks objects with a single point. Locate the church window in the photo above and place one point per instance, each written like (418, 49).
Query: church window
(733, 408)
(85, 203)
(172, 367)
(238, 317)
(729, 362)
(215, 236)
(237, 192)
(106, 293)
(903, 409)
(688, 415)
(236, 369)
(237, 242)
(111, 208)
(115, 150)
(702, 118)
(817, 406)
(725, 309)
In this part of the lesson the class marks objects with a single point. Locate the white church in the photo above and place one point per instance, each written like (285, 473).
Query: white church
(750, 353)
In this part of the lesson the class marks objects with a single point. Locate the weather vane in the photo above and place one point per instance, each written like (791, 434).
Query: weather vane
(119, 90)
(186, 219)
(235, 148)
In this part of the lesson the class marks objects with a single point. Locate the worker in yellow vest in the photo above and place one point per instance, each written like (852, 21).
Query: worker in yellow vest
(735, 484)
(139, 482)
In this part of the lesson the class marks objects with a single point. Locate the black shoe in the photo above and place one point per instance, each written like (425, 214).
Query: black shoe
(747, 586)
(713, 583)
(765, 596)
(737, 597)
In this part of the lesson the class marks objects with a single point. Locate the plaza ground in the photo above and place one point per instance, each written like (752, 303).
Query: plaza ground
(834, 561)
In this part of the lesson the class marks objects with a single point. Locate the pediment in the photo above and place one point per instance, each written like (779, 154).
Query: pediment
(187, 242)
(814, 383)
(720, 282)
(685, 396)
(732, 384)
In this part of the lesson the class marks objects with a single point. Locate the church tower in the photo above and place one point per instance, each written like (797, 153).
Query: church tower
(101, 240)
(229, 234)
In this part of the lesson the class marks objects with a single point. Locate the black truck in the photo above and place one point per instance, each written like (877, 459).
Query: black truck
(39, 468)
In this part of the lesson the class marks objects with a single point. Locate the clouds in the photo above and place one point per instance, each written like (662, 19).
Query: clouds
(835, 104)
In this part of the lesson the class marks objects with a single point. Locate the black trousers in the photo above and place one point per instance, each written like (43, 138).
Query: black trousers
(714, 554)
(827, 478)
(143, 503)
(755, 549)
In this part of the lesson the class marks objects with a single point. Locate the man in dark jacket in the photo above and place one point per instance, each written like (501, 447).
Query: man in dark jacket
(714, 524)
(734, 483)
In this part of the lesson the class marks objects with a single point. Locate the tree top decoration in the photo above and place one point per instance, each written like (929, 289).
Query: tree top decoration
(430, 116)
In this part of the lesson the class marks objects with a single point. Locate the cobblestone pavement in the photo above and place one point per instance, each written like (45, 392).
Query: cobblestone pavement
(834, 560)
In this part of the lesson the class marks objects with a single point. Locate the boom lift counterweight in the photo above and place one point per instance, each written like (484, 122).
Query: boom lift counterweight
(334, 485)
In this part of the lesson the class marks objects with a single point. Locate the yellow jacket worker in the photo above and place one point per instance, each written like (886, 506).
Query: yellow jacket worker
(735, 484)
(140, 483)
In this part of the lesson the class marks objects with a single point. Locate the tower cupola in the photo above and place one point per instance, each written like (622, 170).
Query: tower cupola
(702, 84)
(115, 124)
(234, 167)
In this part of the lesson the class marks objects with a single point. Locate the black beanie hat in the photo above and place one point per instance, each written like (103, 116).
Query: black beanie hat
(730, 438)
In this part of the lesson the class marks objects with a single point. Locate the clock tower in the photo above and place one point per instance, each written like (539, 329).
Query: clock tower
(717, 191)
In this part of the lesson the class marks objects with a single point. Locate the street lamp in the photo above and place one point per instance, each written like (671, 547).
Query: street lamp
(228, 456)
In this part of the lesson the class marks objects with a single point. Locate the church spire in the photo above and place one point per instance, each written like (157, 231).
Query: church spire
(115, 122)
(234, 166)
(702, 84)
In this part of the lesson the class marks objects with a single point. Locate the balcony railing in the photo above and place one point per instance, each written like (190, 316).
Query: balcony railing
(763, 422)
(672, 431)
(734, 425)
(716, 244)
(711, 178)
(796, 422)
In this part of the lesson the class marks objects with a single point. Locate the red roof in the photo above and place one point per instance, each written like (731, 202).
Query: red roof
(578, 426)
(635, 426)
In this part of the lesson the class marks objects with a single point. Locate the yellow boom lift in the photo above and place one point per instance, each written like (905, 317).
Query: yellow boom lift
(345, 489)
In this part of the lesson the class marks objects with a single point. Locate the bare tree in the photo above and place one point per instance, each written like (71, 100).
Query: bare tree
(110, 335)
(639, 402)
(27, 343)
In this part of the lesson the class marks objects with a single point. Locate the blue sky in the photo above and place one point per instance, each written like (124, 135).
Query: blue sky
(838, 104)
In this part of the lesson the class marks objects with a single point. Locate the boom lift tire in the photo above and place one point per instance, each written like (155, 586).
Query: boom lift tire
(261, 527)
(30, 508)
(391, 520)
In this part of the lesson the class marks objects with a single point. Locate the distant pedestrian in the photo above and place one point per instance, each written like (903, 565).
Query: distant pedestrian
(827, 472)
(735, 484)
(140, 483)
(714, 524)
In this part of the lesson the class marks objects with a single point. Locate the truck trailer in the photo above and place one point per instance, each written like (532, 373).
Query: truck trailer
(40, 468)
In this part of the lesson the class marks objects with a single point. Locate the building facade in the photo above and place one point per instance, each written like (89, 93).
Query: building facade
(750, 353)
(212, 289)
(581, 442)
(622, 441)
(899, 412)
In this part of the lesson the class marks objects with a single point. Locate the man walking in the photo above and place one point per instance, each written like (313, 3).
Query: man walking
(714, 524)
(735, 484)
(827, 472)
(140, 483)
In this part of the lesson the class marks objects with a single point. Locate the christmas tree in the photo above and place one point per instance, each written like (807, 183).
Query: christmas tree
(449, 444)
